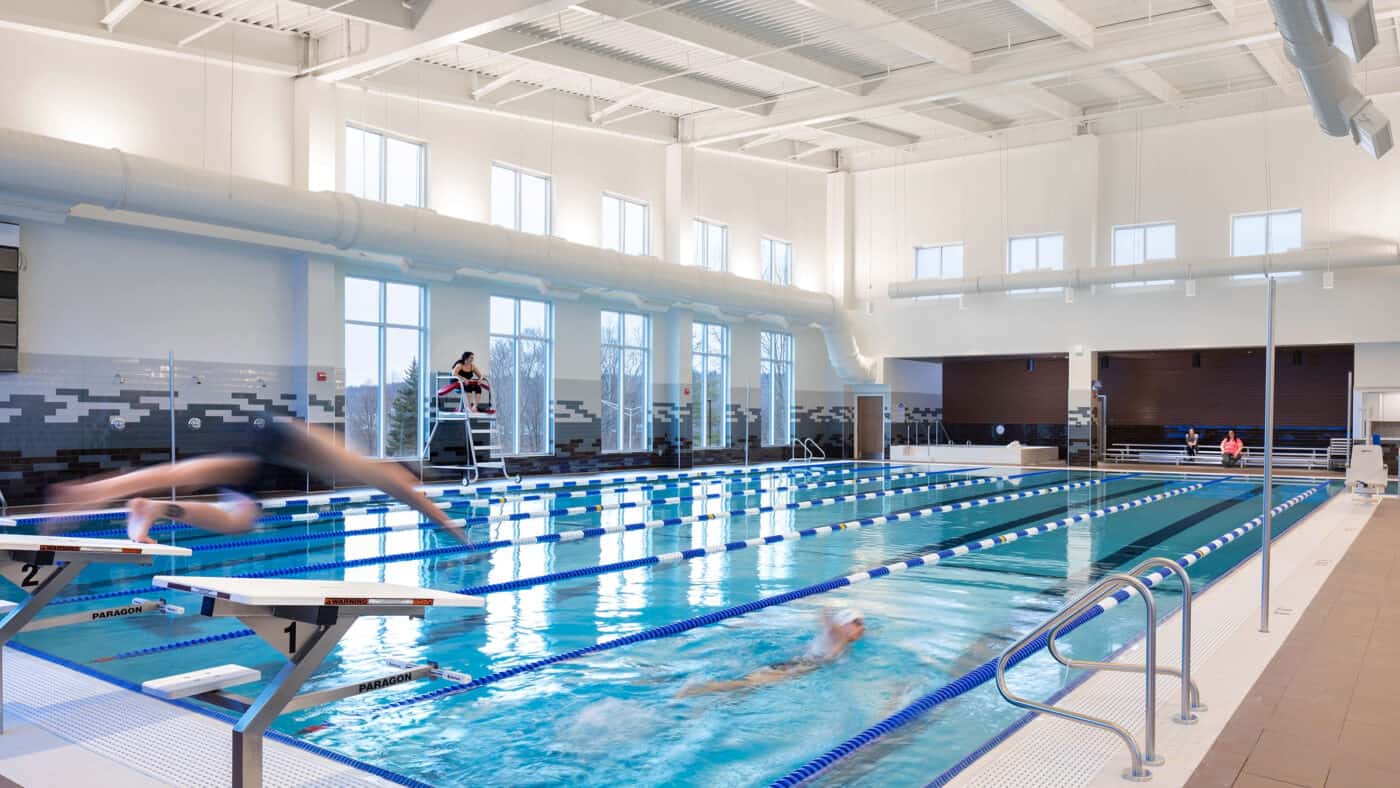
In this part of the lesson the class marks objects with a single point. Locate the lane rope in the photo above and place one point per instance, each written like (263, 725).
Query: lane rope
(987, 670)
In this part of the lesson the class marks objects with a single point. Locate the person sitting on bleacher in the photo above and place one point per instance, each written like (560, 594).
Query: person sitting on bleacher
(1192, 438)
(1231, 450)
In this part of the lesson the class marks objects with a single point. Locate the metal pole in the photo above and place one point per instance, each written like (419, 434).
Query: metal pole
(1351, 412)
(1264, 550)
(170, 379)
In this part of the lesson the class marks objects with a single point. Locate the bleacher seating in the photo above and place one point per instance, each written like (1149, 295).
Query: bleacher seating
(1175, 454)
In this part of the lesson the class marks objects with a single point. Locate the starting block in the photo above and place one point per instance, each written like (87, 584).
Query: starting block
(303, 619)
(42, 566)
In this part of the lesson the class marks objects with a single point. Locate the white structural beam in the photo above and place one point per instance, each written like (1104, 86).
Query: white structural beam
(860, 131)
(1151, 82)
(223, 18)
(950, 117)
(812, 151)
(621, 103)
(496, 84)
(393, 13)
(1226, 9)
(119, 12)
(723, 42)
(766, 139)
(441, 25)
(903, 34)
(583, 61)
(1280, 72)
(1059, 17)
(1045, 100)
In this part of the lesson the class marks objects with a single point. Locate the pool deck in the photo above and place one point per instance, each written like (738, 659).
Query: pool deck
(1326, 710)
(1229, 655)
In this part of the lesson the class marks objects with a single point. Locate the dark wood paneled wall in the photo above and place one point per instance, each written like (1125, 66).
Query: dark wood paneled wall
(1003, 391)
(1163, 388)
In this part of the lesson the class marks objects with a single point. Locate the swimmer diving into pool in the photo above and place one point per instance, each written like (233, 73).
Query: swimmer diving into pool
(839, 630)
(237, 475)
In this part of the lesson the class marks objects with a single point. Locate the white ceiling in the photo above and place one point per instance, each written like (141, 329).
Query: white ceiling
(784, 79)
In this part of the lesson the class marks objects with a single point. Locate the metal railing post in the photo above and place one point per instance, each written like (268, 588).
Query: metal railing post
(1268, 531)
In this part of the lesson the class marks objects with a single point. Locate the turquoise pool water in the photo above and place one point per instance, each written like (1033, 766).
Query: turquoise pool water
(618, 716)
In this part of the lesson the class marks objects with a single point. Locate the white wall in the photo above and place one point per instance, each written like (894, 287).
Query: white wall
(1195, 174)
(148, 104)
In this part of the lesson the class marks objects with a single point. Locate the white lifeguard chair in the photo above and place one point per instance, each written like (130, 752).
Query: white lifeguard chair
(475, 428)
(1366, 475)
(42, 566)
(304, 620)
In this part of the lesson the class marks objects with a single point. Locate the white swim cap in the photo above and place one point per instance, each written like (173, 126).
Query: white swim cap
(846, 615)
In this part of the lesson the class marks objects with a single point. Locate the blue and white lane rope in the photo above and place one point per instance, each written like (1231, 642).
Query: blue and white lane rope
(489, 519)
(715, 548)
(557, 536)
(681, 555)
(577, 487)
(685, 625)
(987, 670)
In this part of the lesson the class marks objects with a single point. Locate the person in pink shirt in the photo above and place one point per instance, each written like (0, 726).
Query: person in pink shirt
(1231, 450)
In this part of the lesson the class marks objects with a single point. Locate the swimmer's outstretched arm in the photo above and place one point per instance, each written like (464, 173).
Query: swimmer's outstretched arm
(758, 678)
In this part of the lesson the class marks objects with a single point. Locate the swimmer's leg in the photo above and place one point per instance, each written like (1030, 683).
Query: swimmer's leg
(211, 517)
(209, 471)
(316, 448)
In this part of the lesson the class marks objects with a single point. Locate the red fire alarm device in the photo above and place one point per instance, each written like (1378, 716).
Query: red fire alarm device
(320, 377)
(686, 391)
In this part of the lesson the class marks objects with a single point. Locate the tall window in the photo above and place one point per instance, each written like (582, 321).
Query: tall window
(711, 245)
(625, 225)
(626, 379)
(384, 340)
(777, 261)
(520, 200)
(1036, 253)
(1271, 232)
(944, 261)
(522, 373)
(385, 168)
(775, 388)
(709, 384)
(1135, 244)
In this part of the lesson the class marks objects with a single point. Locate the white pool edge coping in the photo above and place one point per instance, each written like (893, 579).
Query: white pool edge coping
(1229, 654)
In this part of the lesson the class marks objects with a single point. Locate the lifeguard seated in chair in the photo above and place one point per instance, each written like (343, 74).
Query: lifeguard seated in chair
(471, 381)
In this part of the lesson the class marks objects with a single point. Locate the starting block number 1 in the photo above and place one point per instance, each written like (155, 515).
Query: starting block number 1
(27, 576)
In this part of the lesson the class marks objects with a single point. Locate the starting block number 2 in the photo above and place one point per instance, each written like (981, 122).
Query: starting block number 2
(26, 576)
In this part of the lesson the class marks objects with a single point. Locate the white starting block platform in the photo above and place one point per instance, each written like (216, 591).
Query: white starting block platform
(42, 566)
(303, 619)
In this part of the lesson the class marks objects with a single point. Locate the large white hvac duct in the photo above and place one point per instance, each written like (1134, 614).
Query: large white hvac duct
(1321, 37)
(1352, 255)
(58, 174)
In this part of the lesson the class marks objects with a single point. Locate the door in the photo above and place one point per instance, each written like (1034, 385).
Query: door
(870, 428)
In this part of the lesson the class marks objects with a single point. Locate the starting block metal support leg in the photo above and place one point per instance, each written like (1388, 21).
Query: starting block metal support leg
(248, 732)
(40, 594)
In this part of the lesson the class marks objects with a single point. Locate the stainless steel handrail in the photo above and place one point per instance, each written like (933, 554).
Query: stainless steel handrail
(1138, 771)
(814, 449)
(1190, 693)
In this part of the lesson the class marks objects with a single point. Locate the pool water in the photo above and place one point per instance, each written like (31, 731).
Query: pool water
(622, 715)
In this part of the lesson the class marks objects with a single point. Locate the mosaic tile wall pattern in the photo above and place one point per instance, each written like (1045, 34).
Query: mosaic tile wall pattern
(64, 417)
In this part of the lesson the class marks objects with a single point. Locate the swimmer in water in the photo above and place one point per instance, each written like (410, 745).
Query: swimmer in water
(840, 629)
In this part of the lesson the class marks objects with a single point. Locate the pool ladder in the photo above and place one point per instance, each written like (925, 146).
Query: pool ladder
(1146, 755)
(811, 450)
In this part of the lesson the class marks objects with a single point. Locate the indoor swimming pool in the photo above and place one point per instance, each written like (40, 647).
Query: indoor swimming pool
(611, 602)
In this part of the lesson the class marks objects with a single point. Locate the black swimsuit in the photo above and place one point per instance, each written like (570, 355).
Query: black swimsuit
(471, 375)
(271, 448)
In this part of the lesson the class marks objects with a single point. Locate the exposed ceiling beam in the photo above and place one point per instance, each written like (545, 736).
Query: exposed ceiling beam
(223, 18)
(1226, 9)
(1151, 82)
(508, 76)
(583, 61)
(392, 13)
(853, 129)
(527, 93)
(621, 103)
(903, 34)
(950, 117)
(1280, 72)
(1059, 17)
(441, 26)
(766, 139)
(812, 151)
(1194, 36)
(1043, 99)
(119, 12)
(686, 30)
